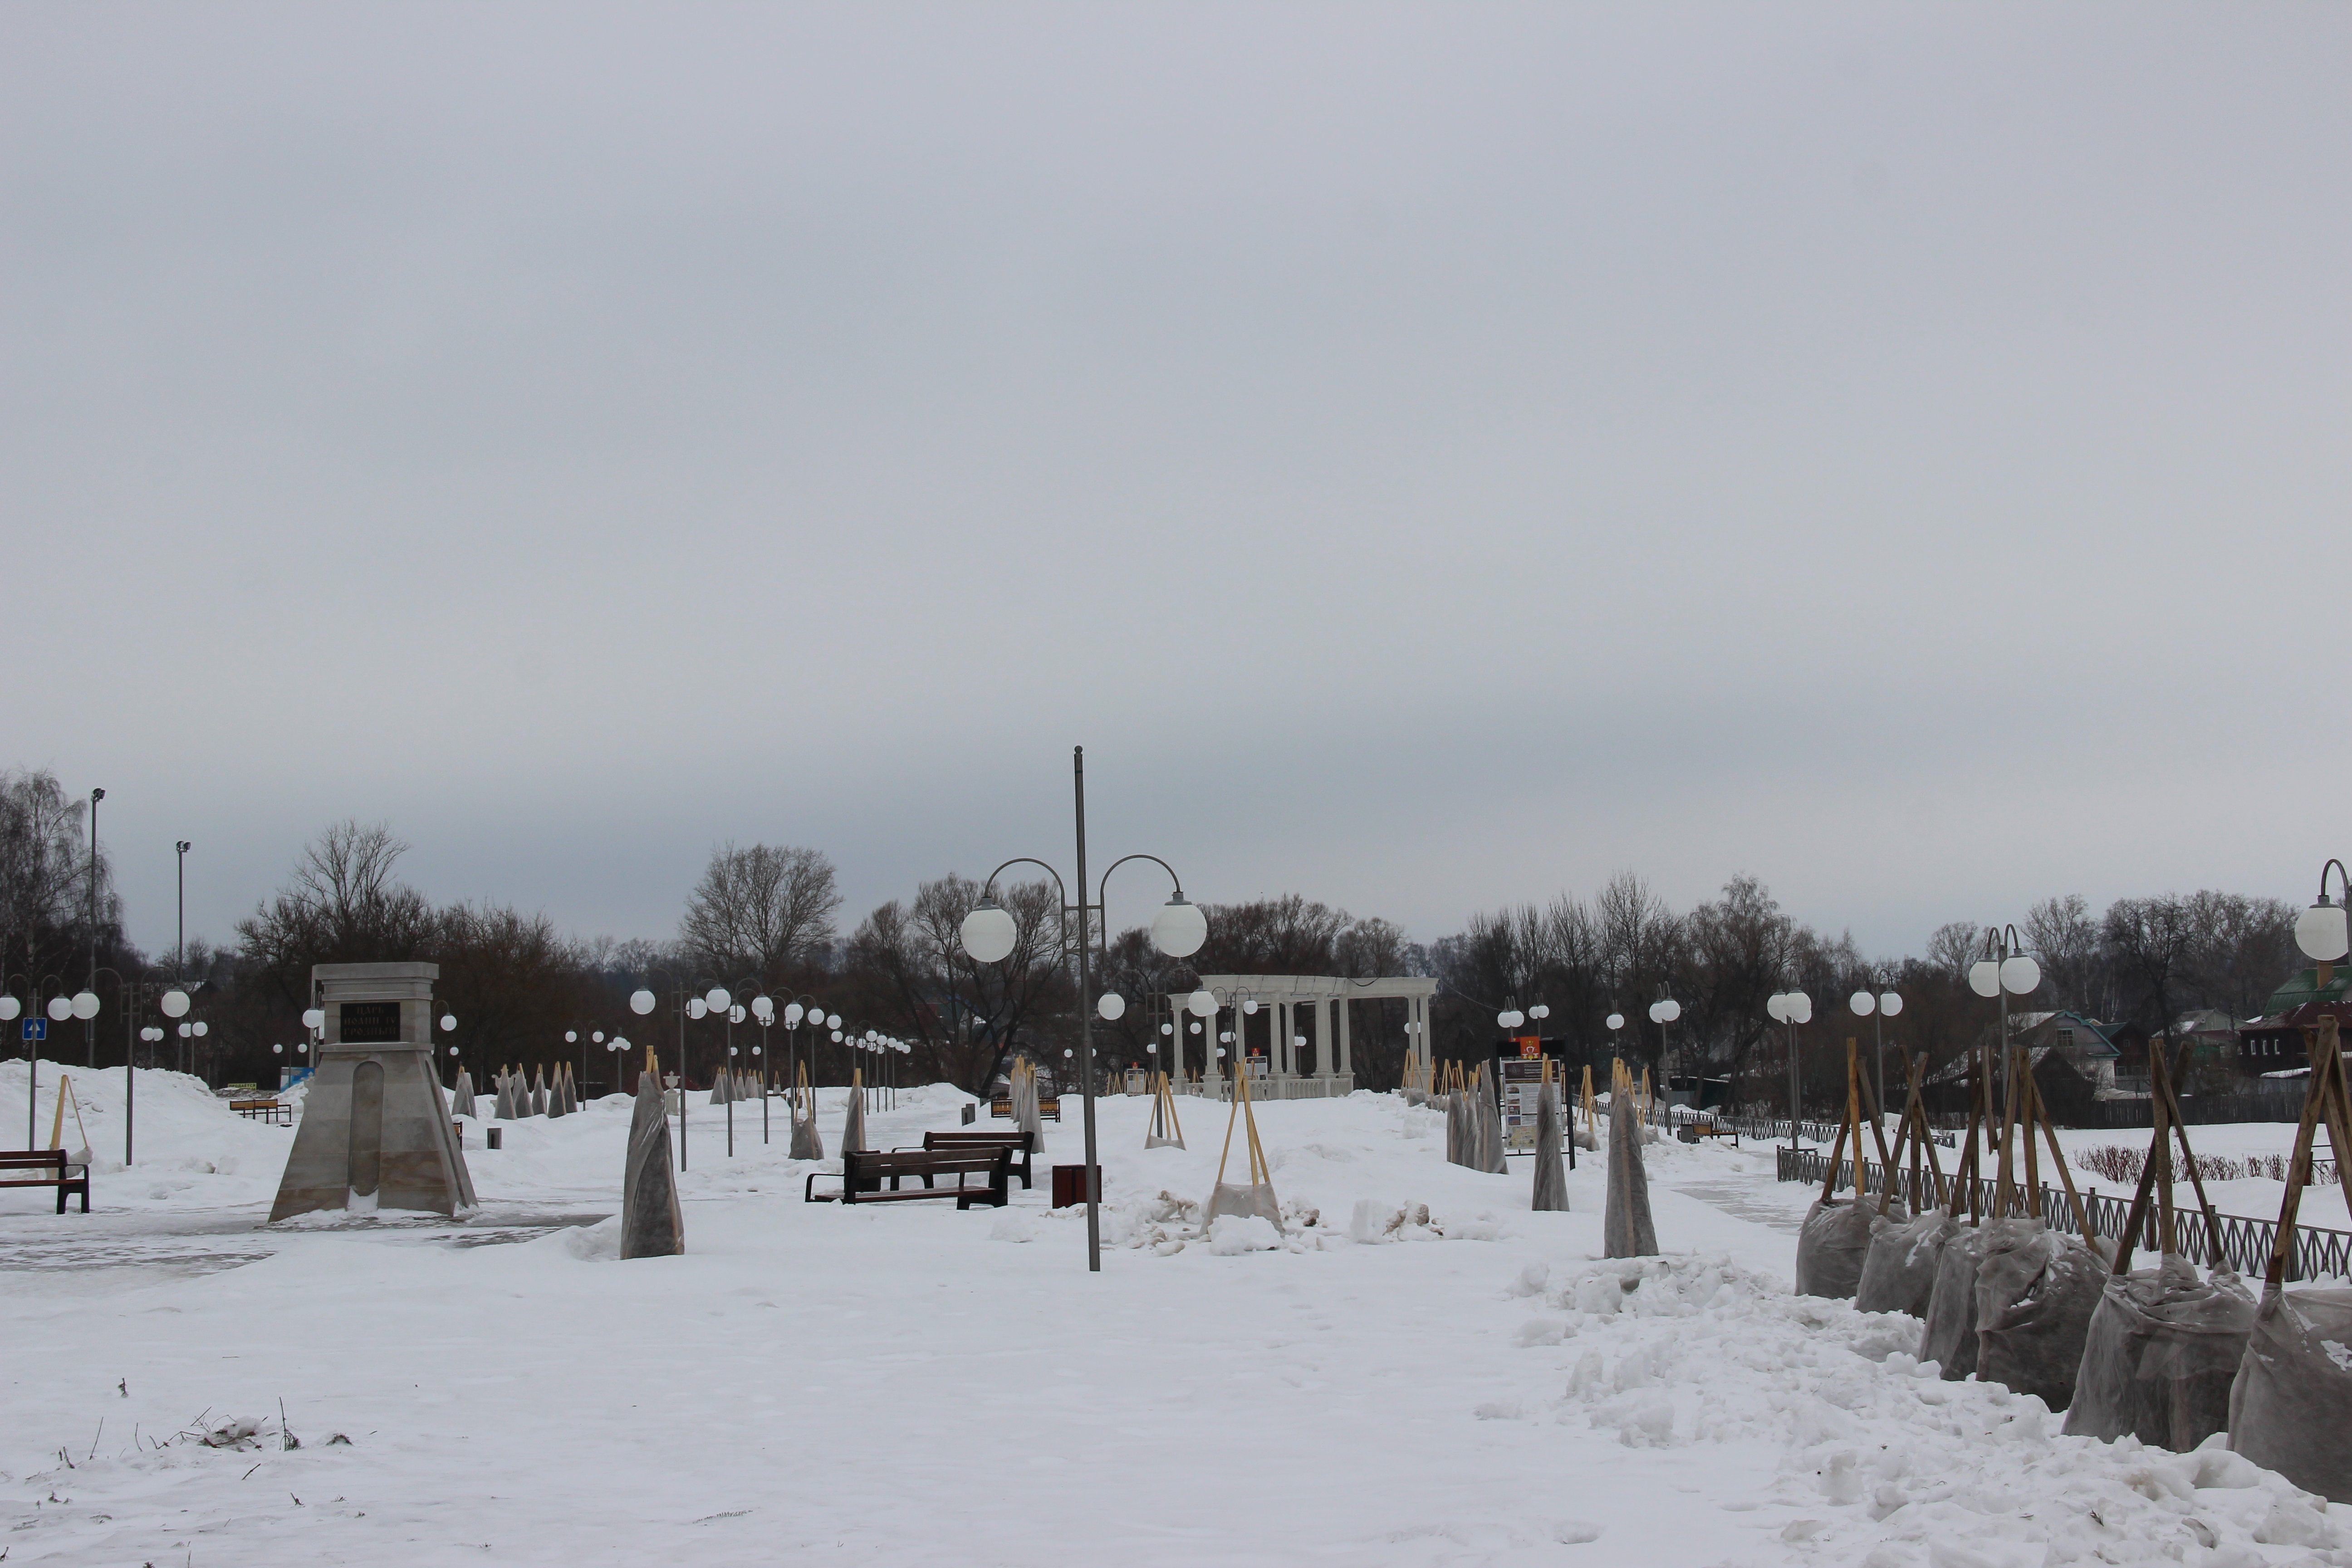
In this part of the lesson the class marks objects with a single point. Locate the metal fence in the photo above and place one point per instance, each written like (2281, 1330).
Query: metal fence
(2245, 1243)
(1764, 1128)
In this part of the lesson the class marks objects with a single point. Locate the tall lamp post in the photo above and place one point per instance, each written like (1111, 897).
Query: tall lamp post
(2003, 972)
(1878, 1009)
(90, 1019)
(990, 934)
(763, 1009)
(1663, 1012)
(686, 1005)
(180, 952)
(1792, 1008)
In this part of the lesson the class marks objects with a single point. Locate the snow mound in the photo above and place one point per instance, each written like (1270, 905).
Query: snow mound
(1231, 1234)
(1895, 1468)
(593, 1243)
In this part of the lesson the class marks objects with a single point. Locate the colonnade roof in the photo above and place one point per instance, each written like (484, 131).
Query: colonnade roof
(1321, 987)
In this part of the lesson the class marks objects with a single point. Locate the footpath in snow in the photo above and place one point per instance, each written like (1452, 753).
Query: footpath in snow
(1421, 1371)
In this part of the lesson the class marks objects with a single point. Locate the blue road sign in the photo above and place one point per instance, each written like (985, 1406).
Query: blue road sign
(36, 1029)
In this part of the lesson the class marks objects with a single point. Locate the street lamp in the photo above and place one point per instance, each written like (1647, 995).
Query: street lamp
(1792, 1008)
(2320, 931)
(1663, 1012)
(2004, 972)
(1178, 929)
(1878, 1008)
(763, 1010)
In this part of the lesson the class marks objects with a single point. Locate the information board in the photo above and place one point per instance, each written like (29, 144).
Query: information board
(1522, 1100)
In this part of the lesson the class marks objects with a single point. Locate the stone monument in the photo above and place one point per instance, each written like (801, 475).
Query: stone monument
(375, 1129)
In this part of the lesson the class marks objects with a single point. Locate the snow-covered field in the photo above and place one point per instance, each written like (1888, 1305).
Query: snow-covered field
(906, 1383)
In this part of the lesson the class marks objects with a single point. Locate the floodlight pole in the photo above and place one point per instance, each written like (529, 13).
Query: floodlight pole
(90, 1025)
(1086, 1019)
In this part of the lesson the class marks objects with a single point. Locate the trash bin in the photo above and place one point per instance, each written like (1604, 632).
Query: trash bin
(1070, 1184)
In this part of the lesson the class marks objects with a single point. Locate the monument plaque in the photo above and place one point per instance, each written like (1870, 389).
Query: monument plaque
(375, 1129)
(370, 1022)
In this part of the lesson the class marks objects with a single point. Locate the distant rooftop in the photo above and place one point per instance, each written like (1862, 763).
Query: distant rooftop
(2305, 987)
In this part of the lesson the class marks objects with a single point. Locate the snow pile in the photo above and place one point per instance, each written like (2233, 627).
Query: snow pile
(187, 1144)
(1890, 1465)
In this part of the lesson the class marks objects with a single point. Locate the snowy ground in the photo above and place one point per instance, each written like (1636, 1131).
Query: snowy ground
(911, 1384)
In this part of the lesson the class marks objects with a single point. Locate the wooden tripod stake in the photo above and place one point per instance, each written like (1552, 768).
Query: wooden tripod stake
(1164, 1125)
(2155, 1176)
(1855, 1090)
(1261, 1174)
(2326, 1100)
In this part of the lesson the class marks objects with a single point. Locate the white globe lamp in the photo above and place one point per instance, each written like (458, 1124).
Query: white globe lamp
(989, 932)
(2319, 931)
(1180, 928)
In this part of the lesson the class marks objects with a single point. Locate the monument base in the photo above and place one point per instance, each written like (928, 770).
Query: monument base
(375, 1131)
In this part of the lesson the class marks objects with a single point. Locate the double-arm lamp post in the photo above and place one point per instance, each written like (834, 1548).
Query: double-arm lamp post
(2004, 972)
(1792, 1008)
(1885, 1004)
(990, 934)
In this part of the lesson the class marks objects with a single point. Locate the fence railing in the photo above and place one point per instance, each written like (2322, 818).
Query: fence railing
(1764, 1128)
(2246, 1242)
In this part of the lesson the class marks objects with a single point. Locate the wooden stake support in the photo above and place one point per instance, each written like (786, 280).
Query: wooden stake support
(1850, 1125)
(1163, 1113)
(1260, 1173)
(2325, 1100)
(1966, 1173)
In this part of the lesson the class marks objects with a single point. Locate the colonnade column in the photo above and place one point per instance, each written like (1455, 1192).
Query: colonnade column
(1347, 1053)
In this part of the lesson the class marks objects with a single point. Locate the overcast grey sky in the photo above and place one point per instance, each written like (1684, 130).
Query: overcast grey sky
(1430, 456)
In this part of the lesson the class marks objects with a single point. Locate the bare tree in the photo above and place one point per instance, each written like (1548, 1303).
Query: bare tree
(2240, 950)
(1955, 945)
(342, 906)
(513, 983)
(966, 1018)
(1740, 947)
(2151, 940)
(2066, 939)
(45, 875)
(757, 909)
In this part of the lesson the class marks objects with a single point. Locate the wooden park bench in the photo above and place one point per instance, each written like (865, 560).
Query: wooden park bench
(56, 1173)
(1692, 1132)
(1020, 1143)
(863, 1176)
(1048, 1109)
(271, 1110)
